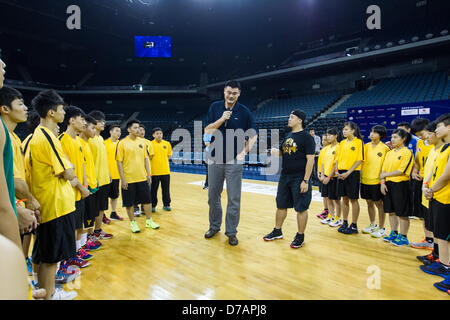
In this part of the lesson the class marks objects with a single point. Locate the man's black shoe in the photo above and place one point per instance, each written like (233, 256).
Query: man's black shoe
(232, 240)
(210, 233)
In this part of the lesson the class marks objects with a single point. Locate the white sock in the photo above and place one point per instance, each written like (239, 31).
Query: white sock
(83, 238)
(57, 267)
(35, 277)
(78, 242)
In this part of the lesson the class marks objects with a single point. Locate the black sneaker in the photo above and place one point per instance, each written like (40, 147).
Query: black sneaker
(299, 241)
(275, 234)
(343, 227)
(232, 240)
(115, 216)
(350, 230)
(428, 259)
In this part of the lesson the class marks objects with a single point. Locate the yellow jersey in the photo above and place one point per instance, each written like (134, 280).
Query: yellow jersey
(132, 154)
(374, 158)
(46, 160)
(72, 149)
(98, 150)
(349, 153)
(160, 160)
(320, 159)
(401, 160)
(18, 158)
(112, 163)
(329, 159)
(422, 152)
(442, 158)
(429, 165)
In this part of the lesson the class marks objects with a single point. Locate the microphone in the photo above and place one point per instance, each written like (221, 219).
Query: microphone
(228, 109)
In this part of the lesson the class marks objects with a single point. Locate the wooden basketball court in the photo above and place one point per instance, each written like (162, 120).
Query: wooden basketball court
(177, 262)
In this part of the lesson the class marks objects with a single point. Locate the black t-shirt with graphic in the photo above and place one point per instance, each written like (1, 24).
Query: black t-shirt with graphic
(294, 148)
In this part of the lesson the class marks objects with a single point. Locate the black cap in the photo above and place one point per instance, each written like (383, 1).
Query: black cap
(299, 113)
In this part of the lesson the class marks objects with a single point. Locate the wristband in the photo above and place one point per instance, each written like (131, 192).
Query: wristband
(85, 186)
(207, 137)
(382, 182)
(21, 200)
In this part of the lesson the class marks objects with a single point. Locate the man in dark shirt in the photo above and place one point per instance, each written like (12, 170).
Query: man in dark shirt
(228, 120)
(294, 189)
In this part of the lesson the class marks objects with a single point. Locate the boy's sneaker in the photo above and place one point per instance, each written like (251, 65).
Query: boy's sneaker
(423, 245)
(327, 220)
(106, 220)
(102, 235)
(150, 224)
(322, 215)
(336, 222)
(80, 263)
(371, 228)
(60, 294)
(91, 245)
(428, 259)
(444, 285)
(94, 239)
(298, 242)
(436, 269)
(134, 227)
(29, 266)
(400, 241)
(378, 232)
(65, 276)
(153, 209)
(352, 229)
(343, 227)
(84, 255)
(392, 236)
(115, 216)
(167, 208)
(137, 213)
(275, 234)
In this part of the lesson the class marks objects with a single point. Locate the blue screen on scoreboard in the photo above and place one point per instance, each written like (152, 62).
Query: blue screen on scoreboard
(153, 47)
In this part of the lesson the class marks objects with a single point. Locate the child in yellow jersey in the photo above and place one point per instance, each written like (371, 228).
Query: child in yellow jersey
(111, 146)
(88, 241)
(437, 144)
(135, 175)
(439, 194)
(350, 157)
(418, 126)
(320, 177)
(50, 176)
(374, 152)
(161, 169)
(75, 122)
(395, 176)
(98, 149)
(329, 187)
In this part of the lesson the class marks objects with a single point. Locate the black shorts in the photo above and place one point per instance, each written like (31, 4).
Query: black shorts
(320, 190)
(416, 191)
(114, 189)
(330, 189)
(137, 193)
(398, 199)
(78, 214)
(289, 196)
(428, 217)
(102, 197)
(349, 187)
(91, 211)
(441, 219)
(371, 192)
(55, 240)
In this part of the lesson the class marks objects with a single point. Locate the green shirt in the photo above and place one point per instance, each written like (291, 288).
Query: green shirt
(8, 167)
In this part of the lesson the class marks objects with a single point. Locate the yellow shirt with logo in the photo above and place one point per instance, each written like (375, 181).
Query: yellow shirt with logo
(429, 165)
(329, 159)
(151, 151)
(132, 154)
(442, 158)
(100, 160)
(89, 166)
(401, 160)
(112, 163)
(160, 160)
(374, 158)
(349, 153)
(422, 152)
(72, 149)
(320, 159)
(45, 161)
(18, 158)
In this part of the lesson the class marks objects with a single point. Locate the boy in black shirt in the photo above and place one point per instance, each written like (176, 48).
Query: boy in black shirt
(294, 189)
